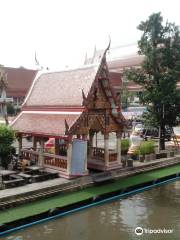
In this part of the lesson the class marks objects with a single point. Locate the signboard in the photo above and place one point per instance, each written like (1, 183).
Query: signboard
(79, 157)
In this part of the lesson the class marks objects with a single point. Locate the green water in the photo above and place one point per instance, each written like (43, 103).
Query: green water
(158, 208)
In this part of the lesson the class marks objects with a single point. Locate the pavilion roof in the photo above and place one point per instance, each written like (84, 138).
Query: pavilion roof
(44, 123)
(61, 88)
(55, 100)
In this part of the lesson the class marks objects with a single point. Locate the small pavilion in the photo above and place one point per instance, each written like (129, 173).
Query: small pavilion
(72, 107)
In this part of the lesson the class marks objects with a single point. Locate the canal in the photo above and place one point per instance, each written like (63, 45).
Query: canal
(155, 210)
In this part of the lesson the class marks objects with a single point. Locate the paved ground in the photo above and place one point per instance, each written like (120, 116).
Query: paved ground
(31, 187)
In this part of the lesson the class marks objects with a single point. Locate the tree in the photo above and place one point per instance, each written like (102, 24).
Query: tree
(10, 109)
(159, 72)
(7, 137)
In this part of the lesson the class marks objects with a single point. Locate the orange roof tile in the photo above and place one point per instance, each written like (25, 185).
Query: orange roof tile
(46, 124)
(61, 88)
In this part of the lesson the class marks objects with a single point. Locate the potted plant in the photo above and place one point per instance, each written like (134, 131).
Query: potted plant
(124, 146)
(146, 151)
(135, 154)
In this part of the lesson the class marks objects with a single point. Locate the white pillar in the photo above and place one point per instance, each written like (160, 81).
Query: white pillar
(84, 137)
(118, 135)
(106, 149)
(41, 151)
(69, 155)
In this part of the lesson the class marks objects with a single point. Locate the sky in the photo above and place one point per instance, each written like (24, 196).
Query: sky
(62, 31)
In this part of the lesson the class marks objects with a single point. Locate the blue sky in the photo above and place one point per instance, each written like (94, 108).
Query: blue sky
(62, 31)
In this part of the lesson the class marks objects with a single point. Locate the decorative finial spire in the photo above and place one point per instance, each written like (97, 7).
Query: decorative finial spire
(85, 60)
(94, 55)
(84, 98)
(66, 126)
(108, 47)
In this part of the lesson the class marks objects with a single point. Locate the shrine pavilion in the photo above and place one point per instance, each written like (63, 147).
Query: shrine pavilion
(72, 107)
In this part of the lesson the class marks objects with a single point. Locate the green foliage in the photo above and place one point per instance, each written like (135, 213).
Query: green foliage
(18, 109)
(160, 71)
(125, 146)
(10, 109)
(135, 154)
(146, 147)
(7, 137)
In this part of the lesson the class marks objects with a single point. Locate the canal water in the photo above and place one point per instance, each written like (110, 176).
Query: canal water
(156, 210)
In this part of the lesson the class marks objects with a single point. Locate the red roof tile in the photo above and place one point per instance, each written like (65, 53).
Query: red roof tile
(61, 88)
(19, 81)
(43, 123)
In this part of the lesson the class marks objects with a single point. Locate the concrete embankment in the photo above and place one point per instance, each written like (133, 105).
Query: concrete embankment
(66, 197)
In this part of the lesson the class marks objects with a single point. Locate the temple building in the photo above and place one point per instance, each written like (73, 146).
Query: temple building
(73, 107)
(19, 81)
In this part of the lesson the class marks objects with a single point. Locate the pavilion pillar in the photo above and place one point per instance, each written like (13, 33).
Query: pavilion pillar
(19, 145)
(41, 153)
(84, 137)
(34, 140)
(78, 136)
(69, 155)
(91, 135)
(106, 148)
(118, 137)
(57, 152)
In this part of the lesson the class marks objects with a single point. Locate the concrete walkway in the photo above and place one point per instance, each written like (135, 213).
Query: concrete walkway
(61, 183)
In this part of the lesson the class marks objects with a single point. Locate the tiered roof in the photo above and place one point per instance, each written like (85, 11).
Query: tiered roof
(55, 101)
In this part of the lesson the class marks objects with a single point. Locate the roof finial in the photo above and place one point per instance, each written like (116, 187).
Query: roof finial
(66, 126)
(84, 98)
(94, 55)
(85, 60)
(36, 61)
(108, 47)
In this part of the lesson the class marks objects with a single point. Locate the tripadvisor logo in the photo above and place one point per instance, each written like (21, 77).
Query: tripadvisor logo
(139, 231)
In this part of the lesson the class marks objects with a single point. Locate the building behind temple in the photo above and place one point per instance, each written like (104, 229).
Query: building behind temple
(17, 84)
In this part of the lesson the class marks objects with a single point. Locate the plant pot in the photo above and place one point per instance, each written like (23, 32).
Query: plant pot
(130, 162)
(141, 158)
(161, 155)
(158, 155)
(170, 154)
(152, 156)
(147, 157)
